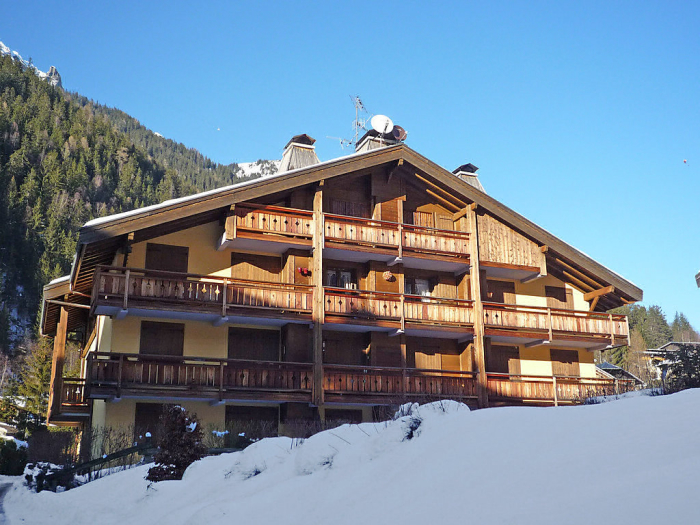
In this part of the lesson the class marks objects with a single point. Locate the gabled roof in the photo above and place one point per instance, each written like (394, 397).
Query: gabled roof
(101, 238)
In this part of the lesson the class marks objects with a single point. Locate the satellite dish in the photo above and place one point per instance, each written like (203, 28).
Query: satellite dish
(381, 123)
(399, 133)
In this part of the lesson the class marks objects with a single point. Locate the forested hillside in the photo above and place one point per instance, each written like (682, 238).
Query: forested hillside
(63, 161)
(199, 171)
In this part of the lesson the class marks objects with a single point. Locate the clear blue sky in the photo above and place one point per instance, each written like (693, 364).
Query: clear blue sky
(579, 114)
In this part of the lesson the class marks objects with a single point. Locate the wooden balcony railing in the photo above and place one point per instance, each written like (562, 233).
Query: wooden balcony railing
(343, 381)
(272, 221)
(387, 306)
(403, 238)
(117, 374)
(196, 376)
(197, 292)
(556, 390)
(73, 399)
(553, 322)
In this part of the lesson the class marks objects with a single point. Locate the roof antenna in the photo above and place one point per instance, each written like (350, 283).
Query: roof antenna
(359, 125)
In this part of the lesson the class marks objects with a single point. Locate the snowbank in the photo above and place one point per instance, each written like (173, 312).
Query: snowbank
(635, 460)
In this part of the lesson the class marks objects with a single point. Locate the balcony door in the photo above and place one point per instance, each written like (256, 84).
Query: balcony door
(503, 360)
(167, 258)
(565, 363)
(559, 297)
(340, 278)
(162, 338)
(500, 292)
(253, 344)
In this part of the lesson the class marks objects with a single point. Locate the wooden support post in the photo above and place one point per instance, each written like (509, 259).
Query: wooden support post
(230, 226)
(549, 323)
(59, 357)
(554, 389)
(404, 364)
(476, 292)
(318, 310)
(612, 329)
(126, 290)
(224, 298)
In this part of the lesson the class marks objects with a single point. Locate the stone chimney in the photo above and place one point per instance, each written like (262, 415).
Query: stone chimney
(467, 172)
(299, 153)
(373, 140)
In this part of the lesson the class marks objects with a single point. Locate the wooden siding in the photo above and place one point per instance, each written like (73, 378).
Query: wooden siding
(500, 244)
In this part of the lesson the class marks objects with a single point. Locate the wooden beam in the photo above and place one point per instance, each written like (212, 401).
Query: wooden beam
(459, 201)
(583, 277)
(597, 293)
(544, 249)
(318, 310)
(475, 283)
(461, 213)
(594, 303)
(67, 304)
(539, 342)
(57, 360)
(399, 163)
(444, 201)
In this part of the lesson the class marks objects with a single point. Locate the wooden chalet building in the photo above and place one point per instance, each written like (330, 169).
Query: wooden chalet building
(328, 290)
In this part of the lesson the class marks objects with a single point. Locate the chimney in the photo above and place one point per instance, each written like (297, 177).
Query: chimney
(467, 172)
(298, 153)
(373, 140)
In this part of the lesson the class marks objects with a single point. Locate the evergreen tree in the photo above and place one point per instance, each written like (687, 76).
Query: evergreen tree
(179, 444)
(682, 330)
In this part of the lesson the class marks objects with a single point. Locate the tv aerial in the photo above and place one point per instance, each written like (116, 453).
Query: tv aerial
(380, 123)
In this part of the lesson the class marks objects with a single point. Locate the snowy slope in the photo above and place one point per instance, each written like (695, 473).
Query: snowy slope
(635, 460)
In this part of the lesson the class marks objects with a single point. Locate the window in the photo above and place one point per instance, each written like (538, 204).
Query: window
(415, 286)
(503, 360)
(340, 278)
(500, 292)
(162, 338)
(166, 258)
(147, 419)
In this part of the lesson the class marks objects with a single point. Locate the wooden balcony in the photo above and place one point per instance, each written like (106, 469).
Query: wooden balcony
(510, 389)
(402, 241)
(555, 324)
(120, 289)
(396, 310)
(115, 375)
(74, 408)
(112, 375)
(273, 222)
(381, 385)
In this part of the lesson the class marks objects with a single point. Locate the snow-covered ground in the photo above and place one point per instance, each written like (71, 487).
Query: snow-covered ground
(635, 460)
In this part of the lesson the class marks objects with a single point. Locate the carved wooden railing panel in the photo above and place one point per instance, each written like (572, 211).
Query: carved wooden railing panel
(556, 389)
(197, 291)
(436, 310)
(124, 371)
(433, 240)
(397, 307)
(395, 383)
(274, 220)
(401, 237)
(355, 230)
(550, 321)
(362, 304)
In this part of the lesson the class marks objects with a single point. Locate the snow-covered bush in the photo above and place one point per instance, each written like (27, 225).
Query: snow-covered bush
(179, 445)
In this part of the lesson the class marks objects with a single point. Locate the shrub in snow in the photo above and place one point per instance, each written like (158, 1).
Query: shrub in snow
(179, 446)
(12, 458)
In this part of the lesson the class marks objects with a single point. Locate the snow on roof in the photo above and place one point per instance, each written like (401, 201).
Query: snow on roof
(138, 211)
(60, 279)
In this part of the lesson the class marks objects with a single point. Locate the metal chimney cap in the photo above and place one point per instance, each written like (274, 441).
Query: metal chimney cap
(467, 168)
(301, 139)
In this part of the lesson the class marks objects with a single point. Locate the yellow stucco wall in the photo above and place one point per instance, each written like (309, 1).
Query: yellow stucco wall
(122, 413)
(533, 294)
(203, 256)
(535, 361)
